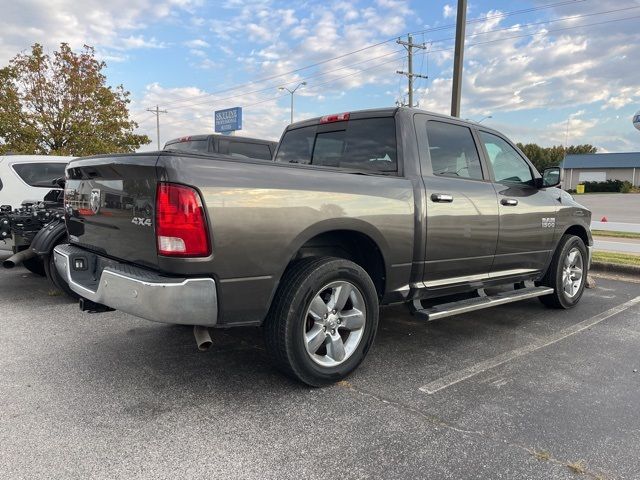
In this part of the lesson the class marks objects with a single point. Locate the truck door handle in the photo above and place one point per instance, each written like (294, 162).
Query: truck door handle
(509, 202)
(441, 197)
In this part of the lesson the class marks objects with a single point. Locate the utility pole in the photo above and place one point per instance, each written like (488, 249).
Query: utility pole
(157, 113)
(461, 21)
(409, 45)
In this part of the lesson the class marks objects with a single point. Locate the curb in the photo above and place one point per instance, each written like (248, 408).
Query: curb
(615, 268)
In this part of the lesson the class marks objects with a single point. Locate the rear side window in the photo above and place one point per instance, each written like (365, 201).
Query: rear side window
(244, 149)
(453, 151)
(366, 144)
(39, 174)
(190, 145)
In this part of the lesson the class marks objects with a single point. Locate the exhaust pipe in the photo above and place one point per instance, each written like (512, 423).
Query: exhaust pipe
(18, 258)
(203, 339)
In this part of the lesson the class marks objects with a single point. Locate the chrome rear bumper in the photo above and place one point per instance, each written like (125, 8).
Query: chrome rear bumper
(139, 292)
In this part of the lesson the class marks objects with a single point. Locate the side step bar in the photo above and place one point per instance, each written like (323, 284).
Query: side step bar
(471, 304)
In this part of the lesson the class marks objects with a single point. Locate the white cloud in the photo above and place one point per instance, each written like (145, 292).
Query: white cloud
(103, 24)
(448, 11)
(196, 43)
(138, 41)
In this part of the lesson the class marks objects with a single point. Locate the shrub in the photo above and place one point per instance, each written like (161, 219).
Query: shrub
(608, 186)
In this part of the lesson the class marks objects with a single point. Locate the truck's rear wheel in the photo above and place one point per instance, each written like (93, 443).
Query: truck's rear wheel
(323, 320)
(567, 274)
(34, 265)
(53, 275)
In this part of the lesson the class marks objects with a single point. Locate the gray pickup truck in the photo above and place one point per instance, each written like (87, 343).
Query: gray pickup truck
(357, 210)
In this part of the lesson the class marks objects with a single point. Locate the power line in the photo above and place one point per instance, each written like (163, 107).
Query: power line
(272, 86)
(545, 33)
(192, 103)
(367, 47)
(499, 15)
(543, 22)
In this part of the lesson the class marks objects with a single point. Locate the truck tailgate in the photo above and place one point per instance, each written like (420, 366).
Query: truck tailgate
(110, 206)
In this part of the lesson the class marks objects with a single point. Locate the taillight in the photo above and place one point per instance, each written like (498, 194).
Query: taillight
(337, 117)
(181, 227)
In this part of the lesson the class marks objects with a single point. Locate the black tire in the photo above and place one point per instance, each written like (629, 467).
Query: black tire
(287, 321)
(54, 277)
(554, 276)
(35, 265)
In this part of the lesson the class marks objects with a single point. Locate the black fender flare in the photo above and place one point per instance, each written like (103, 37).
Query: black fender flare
(49, 237)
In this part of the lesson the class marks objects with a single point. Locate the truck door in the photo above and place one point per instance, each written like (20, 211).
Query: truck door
(461, 206)
(527, 213)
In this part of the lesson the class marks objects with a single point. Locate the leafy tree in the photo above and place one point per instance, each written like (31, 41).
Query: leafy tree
(61, 105)
(543, 157)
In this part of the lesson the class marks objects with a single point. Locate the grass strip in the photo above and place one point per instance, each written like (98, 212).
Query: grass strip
(618, 258)
(607, 233)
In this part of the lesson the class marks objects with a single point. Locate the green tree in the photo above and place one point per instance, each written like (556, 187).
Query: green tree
(60, 104)
(543, 157)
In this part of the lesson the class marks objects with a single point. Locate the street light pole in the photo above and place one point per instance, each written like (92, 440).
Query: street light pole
(292, 92)
(484, 118)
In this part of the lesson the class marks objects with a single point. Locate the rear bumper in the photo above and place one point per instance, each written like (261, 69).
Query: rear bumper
(139, 292)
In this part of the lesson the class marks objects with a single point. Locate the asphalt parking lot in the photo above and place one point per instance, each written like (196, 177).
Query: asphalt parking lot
(517, 391)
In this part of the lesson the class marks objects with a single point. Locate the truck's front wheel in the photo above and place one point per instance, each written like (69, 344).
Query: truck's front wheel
(323, 320)
(567, 273)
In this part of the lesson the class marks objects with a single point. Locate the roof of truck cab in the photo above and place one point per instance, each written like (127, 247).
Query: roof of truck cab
(384, 112)
(210, 135)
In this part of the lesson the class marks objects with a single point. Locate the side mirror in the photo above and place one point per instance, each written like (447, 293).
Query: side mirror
(551, 177)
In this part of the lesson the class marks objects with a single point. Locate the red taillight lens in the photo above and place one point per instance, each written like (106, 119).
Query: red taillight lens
(181, 227)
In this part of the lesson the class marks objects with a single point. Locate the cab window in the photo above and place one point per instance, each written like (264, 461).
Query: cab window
(245, 149)
(364, 144)
(508, 166)
(453, 151)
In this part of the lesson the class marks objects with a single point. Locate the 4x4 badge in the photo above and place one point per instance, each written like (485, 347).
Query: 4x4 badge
(145, 222)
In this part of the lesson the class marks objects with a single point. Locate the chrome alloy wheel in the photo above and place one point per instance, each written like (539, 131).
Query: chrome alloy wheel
(572, 272)
(334, 324)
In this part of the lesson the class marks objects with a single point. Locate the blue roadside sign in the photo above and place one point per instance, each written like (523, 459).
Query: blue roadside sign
(228, 120)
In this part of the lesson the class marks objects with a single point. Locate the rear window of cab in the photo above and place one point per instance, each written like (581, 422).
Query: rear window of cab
(364, 144)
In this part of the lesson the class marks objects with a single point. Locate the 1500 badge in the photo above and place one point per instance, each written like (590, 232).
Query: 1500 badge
(548, 222)
(145, 222)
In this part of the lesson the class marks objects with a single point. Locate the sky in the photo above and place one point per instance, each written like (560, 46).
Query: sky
(544, 71)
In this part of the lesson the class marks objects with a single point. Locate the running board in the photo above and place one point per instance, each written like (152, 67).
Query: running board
(478, 303)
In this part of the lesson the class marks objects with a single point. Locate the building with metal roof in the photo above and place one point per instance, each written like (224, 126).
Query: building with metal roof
(600, 167)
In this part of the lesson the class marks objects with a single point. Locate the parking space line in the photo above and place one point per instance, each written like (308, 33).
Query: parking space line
(461, 375)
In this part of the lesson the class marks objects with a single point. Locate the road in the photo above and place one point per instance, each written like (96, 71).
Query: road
(617, 207)
(112, 396)
(621, 245)
(616, 226)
